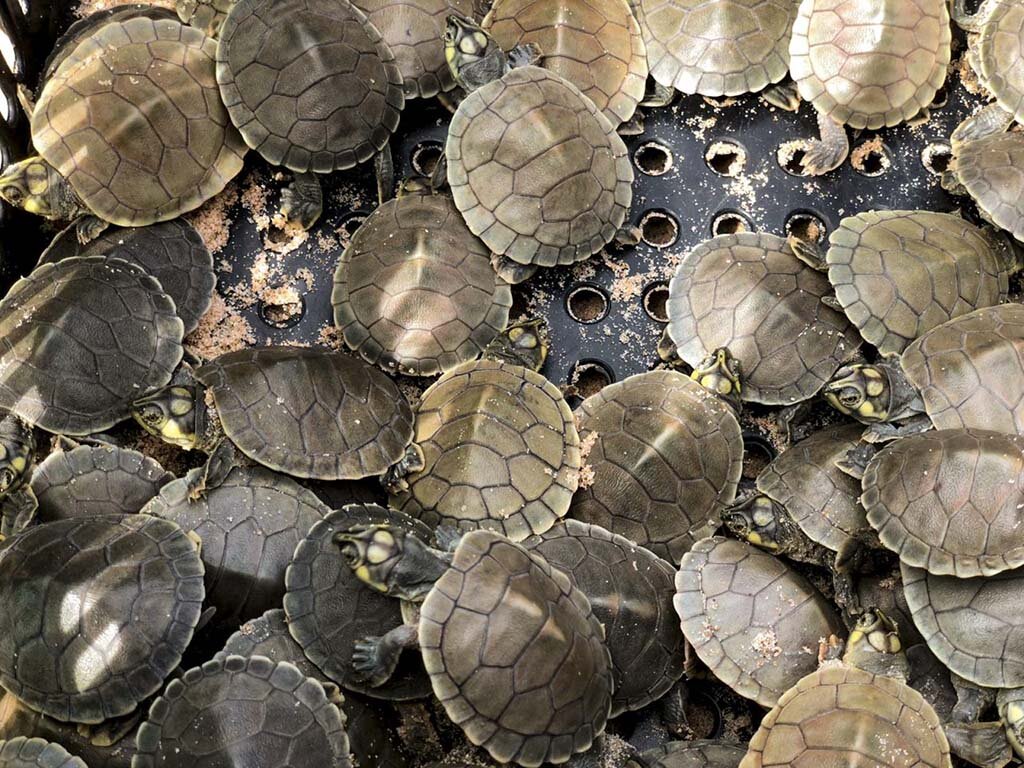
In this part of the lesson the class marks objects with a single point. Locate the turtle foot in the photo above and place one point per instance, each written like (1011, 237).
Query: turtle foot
(989, 121)
(512, 272)
(302, 201)
(830, 649)
(88, 228)
(784, 96)
(821, 158)
(369, 662)
(394, 479)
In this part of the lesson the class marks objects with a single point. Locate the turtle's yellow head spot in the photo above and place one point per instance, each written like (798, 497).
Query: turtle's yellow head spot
(860, 390)
(170, 414)
(28, 185)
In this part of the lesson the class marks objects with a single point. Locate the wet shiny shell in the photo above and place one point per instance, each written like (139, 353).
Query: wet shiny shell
(309, 83)
(172, 252)
(537, 171)
(98, 611)
(309, 412)
(594, 44)
(133, 120)
(991, 171)
(95, 480)
(717, 47)
(501, 452)
(845, 716)
(1001, 55)
(239, 711)
(515, 653)
(950, 501)
(249, 525)
(630, 591)
(872, 63)
(80, 339)
(974, 626)
(821, 498)
(970, 371)
(749, 293)
(699, 753)
(36, 753)
(898, 274)
(666, 454)
(415, 290)
(751, 619)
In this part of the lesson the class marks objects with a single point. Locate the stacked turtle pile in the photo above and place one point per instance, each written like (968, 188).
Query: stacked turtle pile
(345, 568)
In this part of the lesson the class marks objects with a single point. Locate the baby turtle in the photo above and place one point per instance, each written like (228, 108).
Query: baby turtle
(666, 456)
(250, 525)
(130, 130)
(303, 411)
(17, 451)
(514, 651)
(99, 610)
(594, 44)
(870, 64)
(80, 338)
(751, 619)
(699, 753)
(36, 753)
(997, 52)
(897, 274)
(986, 165)
(500, 452)
(538, 172)
(312, 87)
(243, 711)
(630, 591)
(750, 294)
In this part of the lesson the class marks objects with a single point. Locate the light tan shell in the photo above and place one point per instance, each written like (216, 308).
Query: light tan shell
(1001, 55)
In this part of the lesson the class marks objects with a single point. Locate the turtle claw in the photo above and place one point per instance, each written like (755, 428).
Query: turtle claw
(367, 664)
(830, 649)
(820, 158)
(394, 479)
(302, 201)
(512, 272)
(88, 228)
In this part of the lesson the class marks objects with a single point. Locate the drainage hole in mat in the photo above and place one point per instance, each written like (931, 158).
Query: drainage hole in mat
(936, 157)
(281, 307)
(872, 158)
(791, 157)
(589, 377)
(726, 157)
(425, 156)
(653, 159)
(587, 303)
(656, 300)
(806, 225)
(659, 229)
(730, 223)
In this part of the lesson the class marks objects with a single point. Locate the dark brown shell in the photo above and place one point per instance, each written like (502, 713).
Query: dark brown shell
(36, 753)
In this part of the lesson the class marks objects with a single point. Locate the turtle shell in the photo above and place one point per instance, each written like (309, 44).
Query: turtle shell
(515, 653)
(500, 449)
(751, 619)
(95, 480)
(699, 753)
(97, 612)
(748, 292)
(594, 44)
(970, 370)
(717, 47)
(36, 753)
(80, 339)
(989, 169)
(414, 30)
(1000, 49)
(415, 291)
(898, 274)
(132, 119)
(630, 591)
(243, 711)
(329, 609)
(172, 252)
(845, 716)
(309, 83)
(974, 626)
(536, 170)
(250, 525)
(309, 412)
(821, 498)
(666, 455)
(950, 500)
(870, 64)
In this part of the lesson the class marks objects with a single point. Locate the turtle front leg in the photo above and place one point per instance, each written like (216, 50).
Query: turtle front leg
(384, 168)
(374, 659)
(394, 479)
(830, 151)
(971, 699)
(512, 272)
(990, 121)
(658, 95)
(221, 460)
(110, 732)
(884, 432)
(784, 96)
(88, 228)
(856, 460)
(302, 201)
(17, 511)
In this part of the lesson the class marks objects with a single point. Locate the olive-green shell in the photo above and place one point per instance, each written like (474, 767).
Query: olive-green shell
(631, 591)
(76, 594)
(415, 291)
(990, 170)
(243, 711)
(309, 83)
(1001, 54)
(309, 412)
(95, 480)
(21, 752)
(500, 448)
(250, 525)
(515, 653)
(970, 370)
(748, 292)
(842, 715)
(717, 47)
(871, 63)
(973, 626)
(537, 171)
(819, 497)
(81, 339)
(751, 619)
(594, 44)
(898, 274)
(133, 120)
(699, 753)
(414, 30)
(666, 455)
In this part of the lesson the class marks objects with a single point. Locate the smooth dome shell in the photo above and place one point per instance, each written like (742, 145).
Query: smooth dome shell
(1001, 55)
(991, 169)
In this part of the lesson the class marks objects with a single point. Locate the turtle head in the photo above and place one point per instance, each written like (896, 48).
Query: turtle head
(17, 444)
(473, 56)
(874, 635)
(762, 522)
(720, 374)
(862, 391)
(1011, 711)
(391, 561)
(174, 414)
(522, 344)
(35, 186)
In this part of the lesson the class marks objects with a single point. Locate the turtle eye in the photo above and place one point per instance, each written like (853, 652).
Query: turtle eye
(6, 479)
(13, 195)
